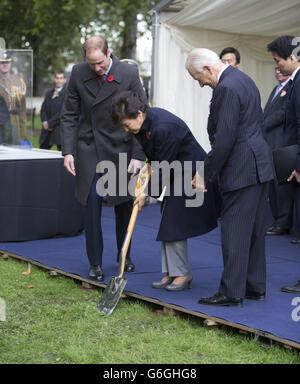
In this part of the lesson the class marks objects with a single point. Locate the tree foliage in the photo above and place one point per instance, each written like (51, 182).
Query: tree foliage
(56, 29)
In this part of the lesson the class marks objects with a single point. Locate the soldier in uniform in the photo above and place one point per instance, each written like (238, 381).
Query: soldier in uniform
(13, 91)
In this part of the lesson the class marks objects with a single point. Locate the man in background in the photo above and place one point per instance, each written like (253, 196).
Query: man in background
(285, 52)
(230, 56)
(50, 113)
(13, 91)
(280, 196)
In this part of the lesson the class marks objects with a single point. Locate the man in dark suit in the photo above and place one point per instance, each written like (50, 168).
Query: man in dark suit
(280, 196)
(89, 134)
(241, 159)
(50, 113)
(285, 52)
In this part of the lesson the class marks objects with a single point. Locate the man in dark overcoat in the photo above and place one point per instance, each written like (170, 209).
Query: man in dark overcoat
(50, 113)
(89, 137)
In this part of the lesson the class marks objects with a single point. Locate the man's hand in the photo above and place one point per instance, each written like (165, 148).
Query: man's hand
(296, 175)
(140, 200)
(134, 167)
(69, 164)
(46, 126)
(198, 183)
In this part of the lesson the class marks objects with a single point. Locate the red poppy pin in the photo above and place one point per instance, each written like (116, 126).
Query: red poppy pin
(110, 78)
(148, 134)
(283, 93)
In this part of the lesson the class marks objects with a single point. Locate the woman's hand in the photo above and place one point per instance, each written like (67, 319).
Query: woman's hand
(140, 200)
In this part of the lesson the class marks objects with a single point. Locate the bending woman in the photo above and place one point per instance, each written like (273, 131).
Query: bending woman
(164, 136)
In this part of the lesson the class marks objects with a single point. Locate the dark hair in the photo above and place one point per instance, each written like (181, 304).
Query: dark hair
(60, 72)
(231, 50)
(283, 46)
(126, 105)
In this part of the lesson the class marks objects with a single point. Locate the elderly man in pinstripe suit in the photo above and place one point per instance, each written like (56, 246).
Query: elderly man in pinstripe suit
(241, 159)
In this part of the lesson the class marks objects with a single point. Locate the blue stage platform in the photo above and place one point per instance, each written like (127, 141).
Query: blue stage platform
(272, 317)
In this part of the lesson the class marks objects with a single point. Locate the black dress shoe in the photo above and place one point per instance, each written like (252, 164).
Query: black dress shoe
(96, 273)
(251, 295)
(221, 300)
(129, 266)
(295, 241)
(292, 288)
(277, 230)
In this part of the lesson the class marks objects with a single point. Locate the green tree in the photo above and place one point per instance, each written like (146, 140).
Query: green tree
(51, 28)
(55, 29)
(118, 20)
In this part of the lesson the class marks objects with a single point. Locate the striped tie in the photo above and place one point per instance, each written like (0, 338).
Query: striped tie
(55, 94)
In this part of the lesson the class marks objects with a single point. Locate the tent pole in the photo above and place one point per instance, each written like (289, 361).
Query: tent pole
(155, 29)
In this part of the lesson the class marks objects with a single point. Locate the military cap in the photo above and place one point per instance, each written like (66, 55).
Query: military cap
(5, 57)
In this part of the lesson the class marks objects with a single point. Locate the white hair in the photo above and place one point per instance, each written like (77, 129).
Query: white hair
(199, 57)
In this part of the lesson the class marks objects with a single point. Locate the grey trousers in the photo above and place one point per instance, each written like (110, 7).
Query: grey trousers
(174, 258)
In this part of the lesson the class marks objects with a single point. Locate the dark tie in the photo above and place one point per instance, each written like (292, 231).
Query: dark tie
(102, 80)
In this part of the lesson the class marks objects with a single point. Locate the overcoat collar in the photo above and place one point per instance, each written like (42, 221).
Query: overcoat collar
(226, 72)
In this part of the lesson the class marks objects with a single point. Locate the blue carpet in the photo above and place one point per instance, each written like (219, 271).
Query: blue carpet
(274, 315)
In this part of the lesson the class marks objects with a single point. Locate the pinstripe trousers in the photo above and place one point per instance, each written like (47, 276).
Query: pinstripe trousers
(243, 241)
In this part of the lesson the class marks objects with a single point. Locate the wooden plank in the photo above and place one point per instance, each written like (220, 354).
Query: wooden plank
(217, 321)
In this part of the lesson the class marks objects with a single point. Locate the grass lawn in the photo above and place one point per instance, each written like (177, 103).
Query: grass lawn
(53, 320)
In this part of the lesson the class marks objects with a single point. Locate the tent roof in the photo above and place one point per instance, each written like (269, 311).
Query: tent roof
(250, 17)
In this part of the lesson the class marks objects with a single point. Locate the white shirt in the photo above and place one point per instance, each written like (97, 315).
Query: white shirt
(294, 73)
(222, 70)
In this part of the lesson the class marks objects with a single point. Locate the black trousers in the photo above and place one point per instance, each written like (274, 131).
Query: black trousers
(93, 228)
(243, 241)
(48, 146)
(281, 202)
(296, 188)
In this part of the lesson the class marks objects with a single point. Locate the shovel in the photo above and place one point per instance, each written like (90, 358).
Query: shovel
(114, 289)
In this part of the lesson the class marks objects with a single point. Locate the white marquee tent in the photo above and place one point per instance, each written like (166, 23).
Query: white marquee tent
(248, 25)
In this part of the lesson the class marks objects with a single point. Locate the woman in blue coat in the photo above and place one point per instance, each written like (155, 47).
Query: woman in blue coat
(164, 136)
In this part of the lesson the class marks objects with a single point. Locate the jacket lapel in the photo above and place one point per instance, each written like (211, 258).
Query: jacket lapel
(111, 83)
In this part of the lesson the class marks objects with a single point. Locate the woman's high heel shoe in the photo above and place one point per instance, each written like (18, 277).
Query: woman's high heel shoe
(180, 287)
(162, 283)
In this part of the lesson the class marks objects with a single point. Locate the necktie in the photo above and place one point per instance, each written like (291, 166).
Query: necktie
(102, 80)
(55, 94)
(277, 91)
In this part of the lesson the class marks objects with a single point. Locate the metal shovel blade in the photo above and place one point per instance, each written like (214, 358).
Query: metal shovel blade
(111, 295)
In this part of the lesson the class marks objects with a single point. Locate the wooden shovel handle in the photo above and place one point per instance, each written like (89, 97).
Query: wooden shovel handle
(128, 237)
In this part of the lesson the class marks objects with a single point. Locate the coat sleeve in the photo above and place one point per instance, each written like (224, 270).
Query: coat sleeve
(54, 120)
(227, 110)
(70, 116)
(43, 113)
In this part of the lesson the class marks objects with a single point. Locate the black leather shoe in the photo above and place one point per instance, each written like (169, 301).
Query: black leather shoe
(251, 295)
(295, 241)
(277, 230)
(96, 273)
(221, 300)
(129, 266)
(292, 288)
